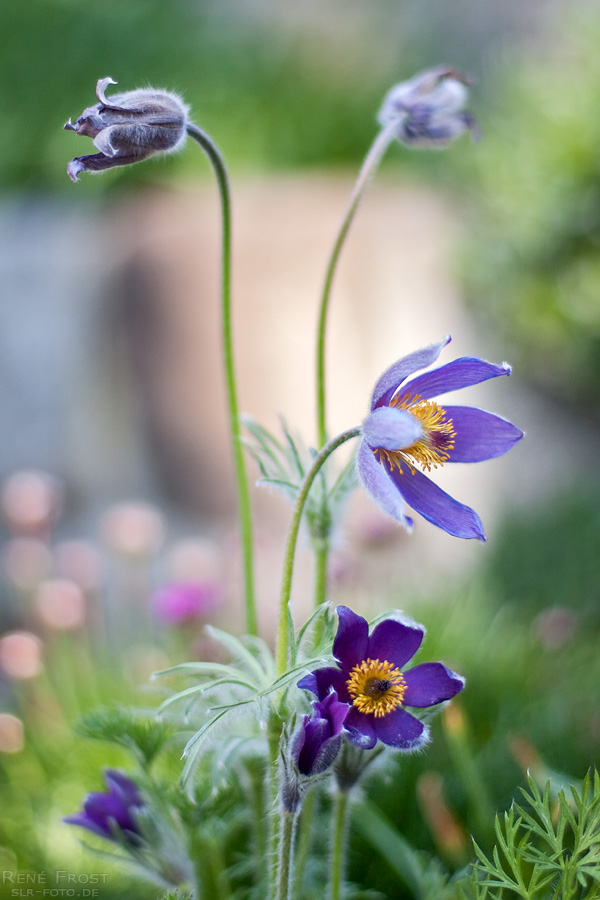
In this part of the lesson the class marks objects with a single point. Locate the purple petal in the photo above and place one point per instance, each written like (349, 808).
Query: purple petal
(436, 506)
(360, 730)
(322, 681)
(388, 383)
(401, 730)
(332, 710)
(376, 483)
(480, 434)
(431, 683)
(459, 373)
(395, 641)
(352, 638)
(85, 821)
(391, 428)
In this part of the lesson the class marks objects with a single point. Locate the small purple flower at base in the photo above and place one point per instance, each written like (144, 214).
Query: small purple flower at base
(370, 679)
(128, 127)
(112, 814)
(428, 109)
(186, 601)
(316, 744)
(406, 428)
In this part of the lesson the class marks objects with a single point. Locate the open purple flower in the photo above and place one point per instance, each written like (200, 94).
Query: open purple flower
(406, 429)
(371, 680)
(112, 814)
(429, 109)
(128, 127)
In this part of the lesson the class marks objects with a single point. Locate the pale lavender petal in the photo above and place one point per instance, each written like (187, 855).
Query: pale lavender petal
(401, 730)
(435, 505)
(460, 373)
(360, 730)
(352, 638)
(395, 641)
(391, 428)
(377, 484)
(431, 683)
(479, 434)
(388, 383)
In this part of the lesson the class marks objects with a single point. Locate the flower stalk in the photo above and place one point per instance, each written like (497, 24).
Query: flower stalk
(292, 538)
(338, 843)
(368, 169)
(243, 492)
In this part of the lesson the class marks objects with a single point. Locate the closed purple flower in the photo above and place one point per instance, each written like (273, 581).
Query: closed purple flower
(128, 127)
(317, 742)
(428, 109)
(185, 601)
(112, 814)
(370, 679)
(407, 429)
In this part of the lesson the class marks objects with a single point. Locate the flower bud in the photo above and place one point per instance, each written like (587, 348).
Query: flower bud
(428, 109)
(128, 127)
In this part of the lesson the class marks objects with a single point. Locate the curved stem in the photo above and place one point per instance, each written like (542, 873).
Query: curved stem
(292, 537)
(243, 492)
(338, 848)
(367, 171)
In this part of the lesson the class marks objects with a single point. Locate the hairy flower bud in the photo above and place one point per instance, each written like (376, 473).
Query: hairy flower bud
(128, 127)
(428, 109)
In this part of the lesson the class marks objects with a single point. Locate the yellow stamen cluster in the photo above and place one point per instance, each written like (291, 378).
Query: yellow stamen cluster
(376, 687)
(433, 449)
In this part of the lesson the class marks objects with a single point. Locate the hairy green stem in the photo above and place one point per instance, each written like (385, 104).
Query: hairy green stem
(305, 833)
(368, 169)
(338, 845)
(243, 492)
(282, 650)
(287, 840)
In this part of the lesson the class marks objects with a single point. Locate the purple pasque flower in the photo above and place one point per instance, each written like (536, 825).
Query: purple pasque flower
(370, 679)
(112, 814)
(128, 127)
(406, 429)
(317, 742)
(429, 109)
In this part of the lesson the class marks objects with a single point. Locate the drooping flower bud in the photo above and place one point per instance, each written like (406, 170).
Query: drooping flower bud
(128, 127)
(312, 749)
(429, 109)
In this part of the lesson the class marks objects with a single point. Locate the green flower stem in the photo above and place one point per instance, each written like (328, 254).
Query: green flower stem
(305, 833)
(369, 167)
(338, 847)
(285, 874)
(282, 651)
(274, 728)
(216, 160)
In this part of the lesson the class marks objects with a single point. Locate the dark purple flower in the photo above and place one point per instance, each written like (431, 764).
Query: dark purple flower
(317, 742)
(186, 600)
(428, 109)
(369, 677)
(128, 127)
(406, 429)
(112, 814)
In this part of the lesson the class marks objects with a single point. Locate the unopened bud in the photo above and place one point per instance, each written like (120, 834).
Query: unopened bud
(128, 127)
(429, 109)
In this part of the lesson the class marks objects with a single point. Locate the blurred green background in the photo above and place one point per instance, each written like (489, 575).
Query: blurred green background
(289, 86)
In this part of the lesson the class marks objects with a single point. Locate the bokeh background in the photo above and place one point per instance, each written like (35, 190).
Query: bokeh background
(115, 462)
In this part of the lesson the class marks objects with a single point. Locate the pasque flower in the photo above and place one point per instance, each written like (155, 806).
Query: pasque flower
(316, 743)
(370, 679)
(407, 429)
(128, 127)
(112, 814)
(429, 109)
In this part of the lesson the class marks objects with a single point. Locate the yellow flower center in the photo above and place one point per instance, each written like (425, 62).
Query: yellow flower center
(433, 449)
(376, 687)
